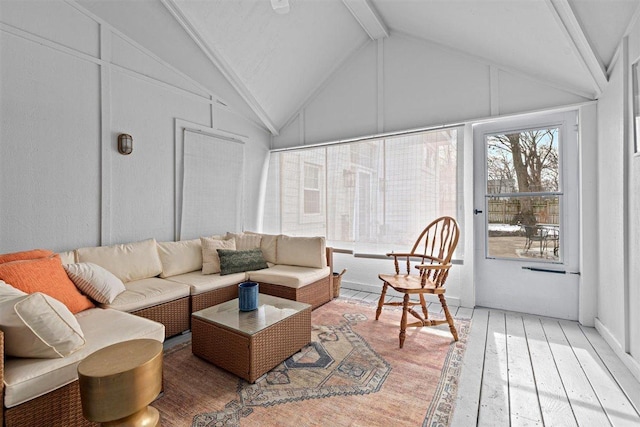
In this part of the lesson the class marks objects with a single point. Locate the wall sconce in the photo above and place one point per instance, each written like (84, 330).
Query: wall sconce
(125, 143)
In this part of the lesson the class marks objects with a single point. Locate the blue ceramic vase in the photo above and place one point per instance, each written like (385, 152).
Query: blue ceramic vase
(248, 296)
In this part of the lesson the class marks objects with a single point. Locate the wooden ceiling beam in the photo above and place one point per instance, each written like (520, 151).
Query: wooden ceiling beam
(368, 18)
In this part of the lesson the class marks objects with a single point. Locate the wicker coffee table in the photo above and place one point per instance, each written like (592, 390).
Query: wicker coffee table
(250, 344)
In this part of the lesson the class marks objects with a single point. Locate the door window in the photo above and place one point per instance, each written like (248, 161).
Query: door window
(523, 195)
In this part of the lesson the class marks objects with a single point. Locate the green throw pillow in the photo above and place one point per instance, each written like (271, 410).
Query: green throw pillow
(238, 261)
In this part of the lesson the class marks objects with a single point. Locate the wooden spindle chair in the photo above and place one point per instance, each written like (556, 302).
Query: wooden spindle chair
(433, 249)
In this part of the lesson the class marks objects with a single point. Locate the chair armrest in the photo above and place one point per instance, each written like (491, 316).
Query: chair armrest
(433, 266)
(397, 254)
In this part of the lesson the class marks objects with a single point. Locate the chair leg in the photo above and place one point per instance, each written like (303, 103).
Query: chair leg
(403, 322)
(423, 303)
(381, 300)
(452, 328)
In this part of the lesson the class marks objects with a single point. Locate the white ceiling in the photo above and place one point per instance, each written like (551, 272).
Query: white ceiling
(277, 62)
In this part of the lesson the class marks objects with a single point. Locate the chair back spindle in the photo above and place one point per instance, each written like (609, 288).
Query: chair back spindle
(436, 245)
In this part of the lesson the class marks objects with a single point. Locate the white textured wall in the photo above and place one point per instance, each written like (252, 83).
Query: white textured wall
(411, 83)
(64, 98)
(619, 203)
(634, 223)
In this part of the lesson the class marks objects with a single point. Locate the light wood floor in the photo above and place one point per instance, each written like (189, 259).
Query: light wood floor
(523, 370)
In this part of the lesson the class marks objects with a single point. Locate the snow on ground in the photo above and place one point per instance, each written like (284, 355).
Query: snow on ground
(507, 228)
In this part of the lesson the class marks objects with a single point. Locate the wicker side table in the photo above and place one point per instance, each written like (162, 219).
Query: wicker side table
(118, 382)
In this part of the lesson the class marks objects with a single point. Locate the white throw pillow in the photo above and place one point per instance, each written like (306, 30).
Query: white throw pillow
(39, 326)
(100, 284)
(180, 257)
(128, 262)
(210, 258)
(302, 251)
(8, 292)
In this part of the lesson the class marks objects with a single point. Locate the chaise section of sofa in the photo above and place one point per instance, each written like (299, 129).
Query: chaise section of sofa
(45, 391)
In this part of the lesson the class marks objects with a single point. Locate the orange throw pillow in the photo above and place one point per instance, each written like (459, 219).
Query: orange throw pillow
(45, 275)
(25, 255)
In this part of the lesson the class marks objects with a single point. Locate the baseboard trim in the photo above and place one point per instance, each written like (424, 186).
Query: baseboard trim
(376, 289)
(625, 357)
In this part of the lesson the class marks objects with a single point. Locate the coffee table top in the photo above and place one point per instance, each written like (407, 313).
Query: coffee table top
(271, 310)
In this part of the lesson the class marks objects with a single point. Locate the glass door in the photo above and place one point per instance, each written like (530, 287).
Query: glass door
(526, 222)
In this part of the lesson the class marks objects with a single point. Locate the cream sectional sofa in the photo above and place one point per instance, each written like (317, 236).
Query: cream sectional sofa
(164, 283)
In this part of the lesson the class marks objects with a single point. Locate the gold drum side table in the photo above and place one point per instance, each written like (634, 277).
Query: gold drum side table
(118, 382)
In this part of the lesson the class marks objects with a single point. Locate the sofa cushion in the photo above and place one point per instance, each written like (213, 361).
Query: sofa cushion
(45, 275)
(180, 257)
(25, 255)
(210, 258)
(26, 379)
(67, 257)
(200, 283)
(239, 261)
(269, 247)
(38, 326)
(289, 275)
(95, 281)
(148, 292)
(302, 251)
(130, 261)
(245, 241)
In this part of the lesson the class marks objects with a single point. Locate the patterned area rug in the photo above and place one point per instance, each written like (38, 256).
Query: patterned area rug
(352, 373)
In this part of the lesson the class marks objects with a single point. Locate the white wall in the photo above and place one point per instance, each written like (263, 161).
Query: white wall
(409, 83)
(69, 84)
(634, 223)
(619, 203)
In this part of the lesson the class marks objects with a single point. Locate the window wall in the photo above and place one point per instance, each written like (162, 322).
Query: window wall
(371, 196)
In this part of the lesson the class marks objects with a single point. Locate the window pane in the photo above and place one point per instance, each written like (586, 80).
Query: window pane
(524, 227)
(311, 202)
(523, 162)
(311, 176)
(379, 195)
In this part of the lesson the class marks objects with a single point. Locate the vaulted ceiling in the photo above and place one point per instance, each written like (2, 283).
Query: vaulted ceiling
(276, 62)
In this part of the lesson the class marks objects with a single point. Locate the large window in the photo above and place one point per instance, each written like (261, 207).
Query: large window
(371, 196)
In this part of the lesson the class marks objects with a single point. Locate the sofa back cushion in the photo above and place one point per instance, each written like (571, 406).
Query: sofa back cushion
(128, 262)
(67, 257)
(302, 251)
(25, 255)
(269, 246)
(180, 257)
(245, 241)
(45, 275)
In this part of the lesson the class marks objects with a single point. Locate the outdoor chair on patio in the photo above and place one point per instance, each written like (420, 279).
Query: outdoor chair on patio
(433, 250)
(533, 233)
